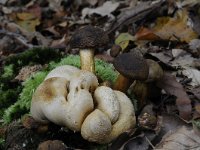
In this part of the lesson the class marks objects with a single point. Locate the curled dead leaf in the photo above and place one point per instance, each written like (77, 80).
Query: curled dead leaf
(172, 87)
(183, 138)
(175, 28)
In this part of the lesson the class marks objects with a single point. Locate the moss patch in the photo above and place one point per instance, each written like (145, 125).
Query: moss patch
(103, 70)
(9, 90)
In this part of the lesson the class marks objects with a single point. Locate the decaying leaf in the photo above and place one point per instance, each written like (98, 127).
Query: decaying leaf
(123, 40)
(146, 34)
(196, 92)
(27, 21)
(181, 139)
(92, 2)
(194, 46)
(172, 87)
(105, 10)
(194, 74)
(182, 59)
(176, 28)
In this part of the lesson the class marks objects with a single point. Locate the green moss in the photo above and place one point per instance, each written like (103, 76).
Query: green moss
(33, 56)
(9, 91)
(8, 97)
(196, 123)
(24, 100)
(8, 71)
(104, 70)
(2, 142)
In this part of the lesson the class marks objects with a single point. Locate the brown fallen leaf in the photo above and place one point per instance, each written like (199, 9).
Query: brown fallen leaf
(27, 21)
(146, 34)
(172, 87)
(175, 28)
(196, 92)
(181, 139)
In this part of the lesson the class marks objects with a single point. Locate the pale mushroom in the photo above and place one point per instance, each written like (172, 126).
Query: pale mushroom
(52, 101)
(65, 71)
(75, 101)
(98, 126)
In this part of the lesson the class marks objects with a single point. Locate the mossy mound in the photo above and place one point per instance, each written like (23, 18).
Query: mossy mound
(10, 90)
(103, 70)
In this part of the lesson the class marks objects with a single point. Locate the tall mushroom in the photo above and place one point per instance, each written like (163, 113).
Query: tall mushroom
(131, 66)
(87, 39)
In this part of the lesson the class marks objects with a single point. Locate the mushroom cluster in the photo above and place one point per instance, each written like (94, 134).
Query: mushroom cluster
(72, 98)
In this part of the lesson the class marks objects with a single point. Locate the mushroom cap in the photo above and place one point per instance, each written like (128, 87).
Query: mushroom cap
(132, 65)
(98, 126)
(65, 71)
(88, 37)
(107, 102)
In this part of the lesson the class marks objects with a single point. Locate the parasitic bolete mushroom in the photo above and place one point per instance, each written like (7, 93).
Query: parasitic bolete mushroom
(131, 66)
(87, 39)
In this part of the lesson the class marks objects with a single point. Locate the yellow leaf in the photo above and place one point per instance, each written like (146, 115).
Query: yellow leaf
(25, 16)
(29, 25)
(123, 40)
(28, 21)
(176, 28)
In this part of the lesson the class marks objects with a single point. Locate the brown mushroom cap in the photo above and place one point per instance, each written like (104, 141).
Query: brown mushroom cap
(132, 65)
(88, 37)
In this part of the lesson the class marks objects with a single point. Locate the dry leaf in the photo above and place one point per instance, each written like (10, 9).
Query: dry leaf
(172, 87)
(176, 28)
(146, 34)
(36, 10)
(194, 46)
(92, 2)
(105, 10)
(123, 40)
(196, 92)
(194, 74)
(182, 139)
(27, 21)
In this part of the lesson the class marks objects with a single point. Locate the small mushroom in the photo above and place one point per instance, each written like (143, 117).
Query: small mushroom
(87, 39)
(131, 66)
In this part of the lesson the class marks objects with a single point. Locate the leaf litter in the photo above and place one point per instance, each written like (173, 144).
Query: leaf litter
(165, 31)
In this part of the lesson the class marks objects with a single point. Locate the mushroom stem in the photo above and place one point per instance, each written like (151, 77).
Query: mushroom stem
(87, 60)
(122, 83)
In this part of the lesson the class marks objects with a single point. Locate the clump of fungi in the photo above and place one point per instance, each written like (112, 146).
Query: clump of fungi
(72, 97)
(74, 100)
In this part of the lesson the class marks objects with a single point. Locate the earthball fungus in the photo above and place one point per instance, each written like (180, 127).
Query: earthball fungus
(72, 98)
